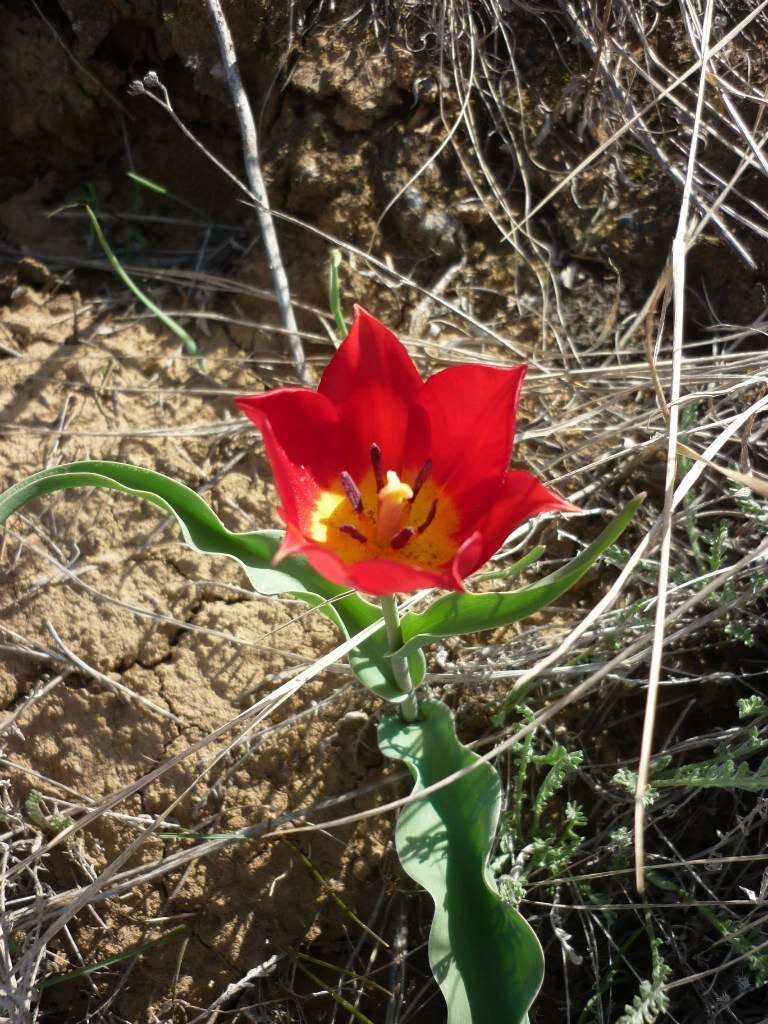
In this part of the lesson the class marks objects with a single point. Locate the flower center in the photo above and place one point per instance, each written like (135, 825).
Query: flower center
(386, 522)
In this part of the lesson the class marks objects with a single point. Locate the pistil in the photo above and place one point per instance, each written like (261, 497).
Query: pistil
(395, 500)
(394, 508)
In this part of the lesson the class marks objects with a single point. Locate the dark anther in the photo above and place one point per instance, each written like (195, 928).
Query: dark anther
(401, 539)
(352, 531)
(349, 485)
(376, 463)
(430, 516)
(421, 476)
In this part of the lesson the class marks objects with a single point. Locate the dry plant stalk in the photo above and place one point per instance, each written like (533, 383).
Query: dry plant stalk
(679, 254)
(597, 429)
(258, 188)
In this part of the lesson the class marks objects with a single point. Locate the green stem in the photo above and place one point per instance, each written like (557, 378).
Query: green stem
(334, 293)
(409, 709)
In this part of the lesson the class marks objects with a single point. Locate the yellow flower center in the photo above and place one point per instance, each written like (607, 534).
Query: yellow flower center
(381, 516)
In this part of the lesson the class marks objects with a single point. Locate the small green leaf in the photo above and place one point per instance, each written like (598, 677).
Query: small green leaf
(128, 281)
(50, 823)
(334, 292)
(470, 613)
(515, 568)
(484, 955)
(203, 530)
(128, 954)
(753, 705)
(147, 183)
(162, 190)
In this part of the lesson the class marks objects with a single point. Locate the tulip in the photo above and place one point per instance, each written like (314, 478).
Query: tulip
(389, 483)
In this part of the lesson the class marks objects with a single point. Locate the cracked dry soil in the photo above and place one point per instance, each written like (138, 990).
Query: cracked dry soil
(79, 566)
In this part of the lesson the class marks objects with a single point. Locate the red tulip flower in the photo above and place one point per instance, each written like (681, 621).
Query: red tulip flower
(389, 483)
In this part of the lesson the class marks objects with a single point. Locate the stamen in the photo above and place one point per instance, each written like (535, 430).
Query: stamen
(402, 538)
(430, 516)
(376, 463)
(352, 491)
(421, 476)
(352, 531)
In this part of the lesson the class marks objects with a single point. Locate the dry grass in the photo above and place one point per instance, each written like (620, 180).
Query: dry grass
(621, 369)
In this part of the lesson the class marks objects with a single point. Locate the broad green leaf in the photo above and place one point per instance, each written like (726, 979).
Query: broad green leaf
(470, 613)
(203, 530)
(483, 954)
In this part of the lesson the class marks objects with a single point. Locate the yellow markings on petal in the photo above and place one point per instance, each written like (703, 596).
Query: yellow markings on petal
(329, 504)
(437, 545)
(433, 549)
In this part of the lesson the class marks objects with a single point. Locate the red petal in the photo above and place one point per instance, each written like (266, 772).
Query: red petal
(301, 439)
(373, 382)
(469, 556)
(304, 424)
(375, 576)
(471, 410)
(520, 496)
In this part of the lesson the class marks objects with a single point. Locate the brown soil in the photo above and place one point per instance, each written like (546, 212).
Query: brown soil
(97, 396)
(348, 116)
(91, 384)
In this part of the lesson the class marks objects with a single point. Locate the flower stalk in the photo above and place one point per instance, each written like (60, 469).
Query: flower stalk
(409, 709)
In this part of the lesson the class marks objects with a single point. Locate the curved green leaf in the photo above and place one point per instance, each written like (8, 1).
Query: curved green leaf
(484, 955)
(514, 568)
(203, 530)
(470, 613)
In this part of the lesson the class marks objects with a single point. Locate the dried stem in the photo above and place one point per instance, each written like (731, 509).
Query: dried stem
(679, 253)
(258, 188)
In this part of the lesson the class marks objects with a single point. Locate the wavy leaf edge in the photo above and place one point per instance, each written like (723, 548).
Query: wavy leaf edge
(444, 843)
